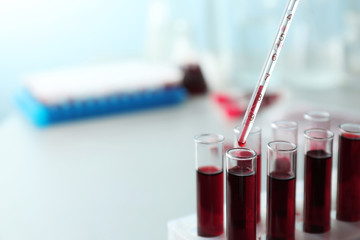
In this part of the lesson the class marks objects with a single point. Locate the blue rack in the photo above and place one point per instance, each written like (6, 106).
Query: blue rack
(44, 115)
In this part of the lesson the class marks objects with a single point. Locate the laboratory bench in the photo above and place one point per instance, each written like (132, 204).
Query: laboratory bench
(118, 177)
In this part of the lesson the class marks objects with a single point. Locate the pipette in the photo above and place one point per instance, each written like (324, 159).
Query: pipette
(267, 70)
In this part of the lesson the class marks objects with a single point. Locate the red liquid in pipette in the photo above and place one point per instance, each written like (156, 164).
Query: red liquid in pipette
(268, 67)
(251, 116)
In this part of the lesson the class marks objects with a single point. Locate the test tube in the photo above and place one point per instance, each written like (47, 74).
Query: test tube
(318, 149)
(253, 142)
(209, 179)
(280, 217)
(284, 131)
(317, 119)
(348, 193)
(240, 194)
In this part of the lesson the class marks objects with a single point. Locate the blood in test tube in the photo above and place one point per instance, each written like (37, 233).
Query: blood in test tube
(240, 197)
(210, 201)
(209, 184)
(254, 143)
(258, 187)
(281, 206)
(317, 202)
(280, 216)
(348, 195)
(241, 194)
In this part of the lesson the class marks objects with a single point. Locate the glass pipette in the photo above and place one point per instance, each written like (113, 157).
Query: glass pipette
(267, 70)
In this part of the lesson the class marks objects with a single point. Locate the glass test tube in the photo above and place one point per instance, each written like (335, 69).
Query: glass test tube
(317, 119)
(284, 131)
(280, 217)
(240, 194)
(209, 176)
(253, 142)
(318, 149)
(348, 194)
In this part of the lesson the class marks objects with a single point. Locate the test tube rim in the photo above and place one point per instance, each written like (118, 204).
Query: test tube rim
(253, 156)
(293, 126)
(324, 118)
(357, 133)
(254, 129)
(201, 138)
(290, 150)
(330, 134)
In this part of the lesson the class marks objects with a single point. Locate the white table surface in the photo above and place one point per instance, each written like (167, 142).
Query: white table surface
(118, 177)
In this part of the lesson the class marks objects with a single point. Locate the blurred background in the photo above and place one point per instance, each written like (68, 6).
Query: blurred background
(77, 181)
(229, 38)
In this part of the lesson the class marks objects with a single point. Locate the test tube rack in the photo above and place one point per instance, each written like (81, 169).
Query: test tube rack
(185, 228)
(44, 115)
